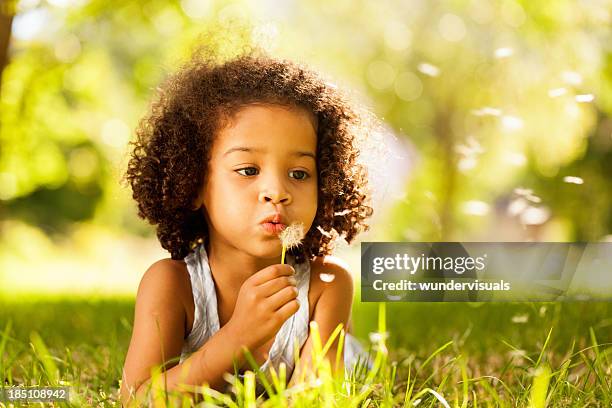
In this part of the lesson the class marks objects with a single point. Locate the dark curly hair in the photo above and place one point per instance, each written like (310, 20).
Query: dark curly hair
(167, 166)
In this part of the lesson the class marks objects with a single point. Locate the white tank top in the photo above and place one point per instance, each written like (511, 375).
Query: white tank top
(206, 316)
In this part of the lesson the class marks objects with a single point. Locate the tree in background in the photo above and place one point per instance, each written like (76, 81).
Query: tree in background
(507, 104)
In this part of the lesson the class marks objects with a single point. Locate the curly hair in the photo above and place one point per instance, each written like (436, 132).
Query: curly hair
(168, 163)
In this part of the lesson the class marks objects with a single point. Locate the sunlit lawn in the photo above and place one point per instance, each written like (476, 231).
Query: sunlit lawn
(460, 354)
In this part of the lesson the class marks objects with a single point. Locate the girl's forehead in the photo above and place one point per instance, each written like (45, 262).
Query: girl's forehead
(273, 125)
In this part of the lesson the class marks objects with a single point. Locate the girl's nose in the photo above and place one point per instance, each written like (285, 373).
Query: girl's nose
(275, 195)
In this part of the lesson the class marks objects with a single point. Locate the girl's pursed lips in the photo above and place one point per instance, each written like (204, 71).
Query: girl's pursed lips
(275, 218)
(273, 228)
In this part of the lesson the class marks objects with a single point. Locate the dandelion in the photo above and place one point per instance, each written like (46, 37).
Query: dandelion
(291, 237)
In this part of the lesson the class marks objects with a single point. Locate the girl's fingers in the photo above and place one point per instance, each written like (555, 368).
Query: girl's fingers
(280, 298)
(288, 309)
(271, 272)
(270, 287)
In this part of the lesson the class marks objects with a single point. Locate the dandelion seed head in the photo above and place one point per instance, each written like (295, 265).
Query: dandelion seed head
(292, 235)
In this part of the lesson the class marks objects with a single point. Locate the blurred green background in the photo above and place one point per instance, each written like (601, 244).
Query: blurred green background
(495, 114)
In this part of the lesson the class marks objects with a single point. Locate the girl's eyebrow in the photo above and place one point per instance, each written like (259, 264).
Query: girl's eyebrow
(251, 149)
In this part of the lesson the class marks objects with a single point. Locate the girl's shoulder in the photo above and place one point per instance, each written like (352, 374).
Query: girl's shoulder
(167, 281)
(329, 265)
(329, 274)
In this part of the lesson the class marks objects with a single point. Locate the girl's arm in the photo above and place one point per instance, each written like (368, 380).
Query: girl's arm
(265, 301)
(332, 308)
(158, 336)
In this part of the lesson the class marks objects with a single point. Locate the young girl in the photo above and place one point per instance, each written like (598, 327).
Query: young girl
(232, 153)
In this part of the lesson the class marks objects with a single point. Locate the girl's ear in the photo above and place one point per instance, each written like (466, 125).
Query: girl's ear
(196, 204)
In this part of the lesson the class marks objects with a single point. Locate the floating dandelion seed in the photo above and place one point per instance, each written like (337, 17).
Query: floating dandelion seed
(572, 77)
(487, 111)
(517, 353)
(468, 153)
(475, 207)
(585, 98)
(573, 180)
(327, 277)
(517, 206)
(542, 311)
(528, 194)
(521, 318)
(467, 163)
(554, 93)
(376, 337)
(533, 198)
(291, 237)
(394, 298)
(515, 159)
(512, 122)
(523, 191)
(342, 212)
(428, 69)
(535, 216)
(503, 52)
(325, 233)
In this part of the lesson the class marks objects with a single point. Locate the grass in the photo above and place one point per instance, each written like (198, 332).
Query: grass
(426, 355)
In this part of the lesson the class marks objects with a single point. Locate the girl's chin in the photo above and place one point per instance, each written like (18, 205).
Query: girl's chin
(267, 250)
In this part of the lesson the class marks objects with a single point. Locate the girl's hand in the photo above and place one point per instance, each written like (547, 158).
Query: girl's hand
(265, 301)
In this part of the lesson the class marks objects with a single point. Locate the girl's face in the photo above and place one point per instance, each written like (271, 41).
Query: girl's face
(262, 166)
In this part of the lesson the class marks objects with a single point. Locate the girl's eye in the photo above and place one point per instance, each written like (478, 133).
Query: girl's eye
(252, 171)
(248, 171)
(298, 174)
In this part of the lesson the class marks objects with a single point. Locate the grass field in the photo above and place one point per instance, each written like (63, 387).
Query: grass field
(464, 355)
